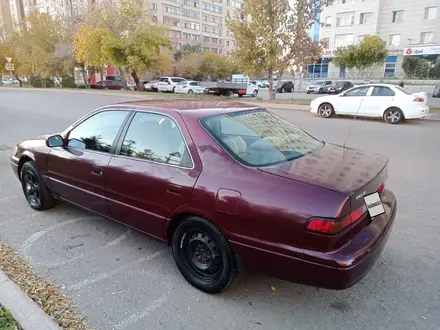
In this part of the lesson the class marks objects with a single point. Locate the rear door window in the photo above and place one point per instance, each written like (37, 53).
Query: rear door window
(360, 91)
(177, 80)
(382, 91)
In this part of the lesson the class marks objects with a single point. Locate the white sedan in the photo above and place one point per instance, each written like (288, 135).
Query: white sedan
(390, 102)
(189, 87)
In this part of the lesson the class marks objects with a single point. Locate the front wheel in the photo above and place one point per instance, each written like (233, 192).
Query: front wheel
(255, 93)
(203, 255)
(326, 110)
(35, 190)
(393, 116)
(320, 91)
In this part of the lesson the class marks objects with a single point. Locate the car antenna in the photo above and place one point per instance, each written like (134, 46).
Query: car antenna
(352, 122)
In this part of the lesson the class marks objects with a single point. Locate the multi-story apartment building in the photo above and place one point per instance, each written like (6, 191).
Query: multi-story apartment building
(6, 26)
(197, 22)
(409, 28)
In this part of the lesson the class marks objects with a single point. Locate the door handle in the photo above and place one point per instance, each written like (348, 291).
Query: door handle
(97, 170)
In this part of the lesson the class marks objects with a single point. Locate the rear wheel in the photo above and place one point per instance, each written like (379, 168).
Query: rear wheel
(190, 91)
(240, 95)
(326, 110)
(35, 190)
(393, 116)
(203, 255)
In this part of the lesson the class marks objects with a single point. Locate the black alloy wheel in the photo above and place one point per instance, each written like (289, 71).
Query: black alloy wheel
(35, 190)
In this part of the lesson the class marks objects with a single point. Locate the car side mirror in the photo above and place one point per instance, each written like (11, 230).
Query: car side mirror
(55, 141)
(75, 143)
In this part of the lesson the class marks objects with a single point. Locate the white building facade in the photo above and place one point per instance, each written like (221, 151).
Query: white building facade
(409, 28)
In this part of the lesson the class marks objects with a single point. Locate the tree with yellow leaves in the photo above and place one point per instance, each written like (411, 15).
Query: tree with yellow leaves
(88, 44)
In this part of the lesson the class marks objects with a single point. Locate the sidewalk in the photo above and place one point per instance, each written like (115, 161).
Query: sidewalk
(25, 311)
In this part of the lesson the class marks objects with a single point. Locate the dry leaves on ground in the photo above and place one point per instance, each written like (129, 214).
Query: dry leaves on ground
(44, 293)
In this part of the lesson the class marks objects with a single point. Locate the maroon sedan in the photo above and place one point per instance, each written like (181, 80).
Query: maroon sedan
(228, 185)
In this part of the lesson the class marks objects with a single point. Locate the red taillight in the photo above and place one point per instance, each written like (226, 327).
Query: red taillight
(380, 189)
(169, 83)
(332, 226)
(185, 86)
(419, 99)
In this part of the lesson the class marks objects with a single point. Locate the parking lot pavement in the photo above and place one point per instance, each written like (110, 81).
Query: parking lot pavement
(121, 279)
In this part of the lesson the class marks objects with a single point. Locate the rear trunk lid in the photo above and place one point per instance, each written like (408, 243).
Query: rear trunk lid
(352, 172)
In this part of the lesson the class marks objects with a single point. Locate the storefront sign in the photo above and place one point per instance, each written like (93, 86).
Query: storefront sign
(428, 50)
(329, 52)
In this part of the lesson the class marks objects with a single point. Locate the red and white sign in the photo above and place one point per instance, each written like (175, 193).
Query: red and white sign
(428, 50)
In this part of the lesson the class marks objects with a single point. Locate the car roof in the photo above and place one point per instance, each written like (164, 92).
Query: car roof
(190, 109)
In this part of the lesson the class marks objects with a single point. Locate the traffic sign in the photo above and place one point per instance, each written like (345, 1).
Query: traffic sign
(9, 59)
(9, 66)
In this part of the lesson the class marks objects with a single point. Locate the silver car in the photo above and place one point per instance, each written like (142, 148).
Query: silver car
(318, 86)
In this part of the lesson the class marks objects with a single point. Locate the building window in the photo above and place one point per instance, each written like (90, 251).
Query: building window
(360, 38)
(426, 37)
(398, 16)
(154, 6)
(342, 40)
(195, 37)
(206, 39)
(390, 66)
(227, 43)
(345, 19)
(431, 12)
(328, 21)
(366, 18)
(190, 13)
(394, 40)
(171, 10)
(155, 19)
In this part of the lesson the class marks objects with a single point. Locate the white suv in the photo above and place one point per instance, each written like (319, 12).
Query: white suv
(168, 84)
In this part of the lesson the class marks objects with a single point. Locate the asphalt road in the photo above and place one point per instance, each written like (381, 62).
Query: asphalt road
(121, 279)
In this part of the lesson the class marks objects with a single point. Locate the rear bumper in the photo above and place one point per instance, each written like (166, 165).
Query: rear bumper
(416, 114)
(335, 270)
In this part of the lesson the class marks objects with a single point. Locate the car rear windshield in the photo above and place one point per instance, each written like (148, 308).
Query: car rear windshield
(404, 90)
(260, 138)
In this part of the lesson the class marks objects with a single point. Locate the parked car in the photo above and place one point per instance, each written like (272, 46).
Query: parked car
(436, 92)
(285, 86)
(110, 84)
(189, 87)
(339, 86)
(258, 83)
(390, 102)
(10, 82)
(154, 166)
(167, 84)
(151, 86)
(318, 86)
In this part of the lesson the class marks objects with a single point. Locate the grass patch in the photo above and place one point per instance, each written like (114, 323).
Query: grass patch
(45, 294)
(434, 109)
(7, 321)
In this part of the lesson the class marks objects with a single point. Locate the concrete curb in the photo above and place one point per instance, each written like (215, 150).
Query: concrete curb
(27, 313)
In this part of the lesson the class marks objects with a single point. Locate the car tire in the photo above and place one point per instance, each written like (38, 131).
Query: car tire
(240, 95)
(326, 110)
(307, 92)
(255, 93)
(393, 116)
(203, 255)
(35, 190)
(174, 90)
(190, 91)
(320, 91)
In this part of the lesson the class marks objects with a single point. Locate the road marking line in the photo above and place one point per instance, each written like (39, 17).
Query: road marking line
(5, 199)
(137, 317)
(114, 242)
(36, 236)
(103, 276)
(32, 215)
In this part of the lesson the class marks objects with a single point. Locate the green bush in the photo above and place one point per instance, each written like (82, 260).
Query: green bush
(39, 82)
(68, 82)
(7, 322)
